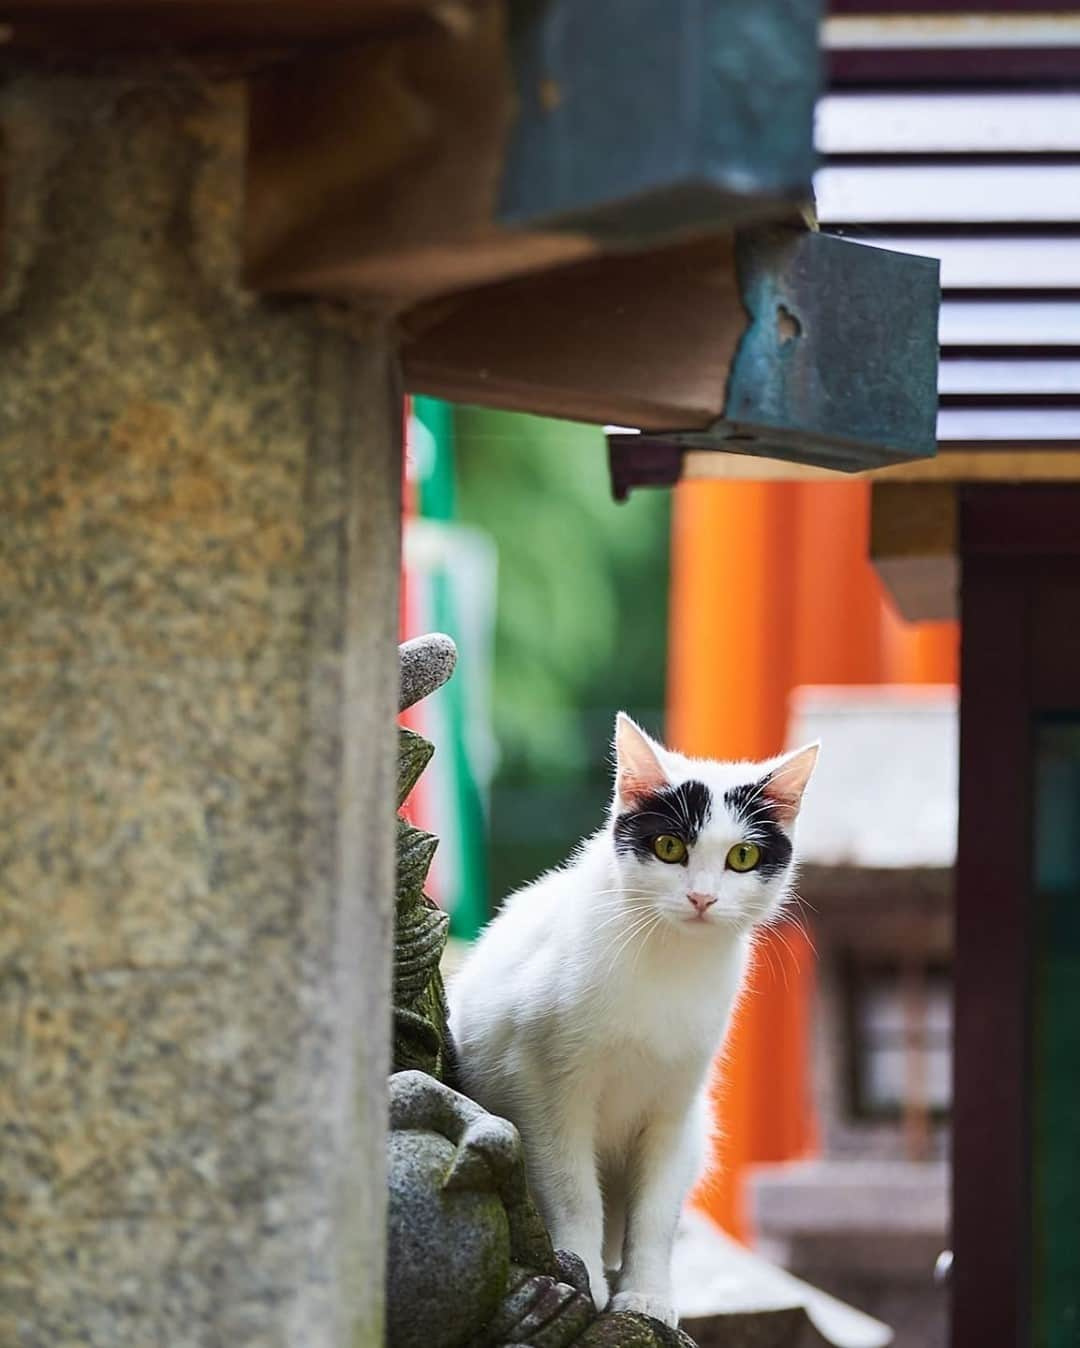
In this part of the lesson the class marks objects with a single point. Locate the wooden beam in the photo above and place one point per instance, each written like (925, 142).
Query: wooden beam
(825, 373)
(913, 547)
(641, 340)
(373, 173)
(913, 538)
(773, 339)
(953, 465)
(520, 138)
(80, 26)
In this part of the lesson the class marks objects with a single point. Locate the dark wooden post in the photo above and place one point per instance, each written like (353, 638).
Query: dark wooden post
(1020, 559)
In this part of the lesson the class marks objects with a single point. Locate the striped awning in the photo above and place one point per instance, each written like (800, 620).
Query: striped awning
(958, 136)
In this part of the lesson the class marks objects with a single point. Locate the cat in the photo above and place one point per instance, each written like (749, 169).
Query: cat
(592, 1007)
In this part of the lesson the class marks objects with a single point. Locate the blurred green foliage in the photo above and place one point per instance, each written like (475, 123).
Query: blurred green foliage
(581, 627)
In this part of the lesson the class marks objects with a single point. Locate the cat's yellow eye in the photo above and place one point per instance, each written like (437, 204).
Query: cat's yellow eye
(669, 848)
(744, 856)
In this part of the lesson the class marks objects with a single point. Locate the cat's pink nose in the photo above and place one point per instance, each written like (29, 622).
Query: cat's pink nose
(701, 902)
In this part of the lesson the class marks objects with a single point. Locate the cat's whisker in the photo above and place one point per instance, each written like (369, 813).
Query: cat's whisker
(808, 939)
(629, 925)
(755, 795)
(802, 903)
(766, 947)
(761, 962)
(642, 942)
(796, 917)
(679, 801)
(764, 810)
(779, 934)
(615, 949)
(617, 946)
(624, 903)
(799, 923)
(609, 921)
(621, 903)
(602, 980)
(641, 925)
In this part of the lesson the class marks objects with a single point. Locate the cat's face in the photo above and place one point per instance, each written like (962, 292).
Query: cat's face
(703, 844)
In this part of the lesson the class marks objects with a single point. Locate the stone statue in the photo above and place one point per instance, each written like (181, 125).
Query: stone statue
(420, 1037)
(470, 1264)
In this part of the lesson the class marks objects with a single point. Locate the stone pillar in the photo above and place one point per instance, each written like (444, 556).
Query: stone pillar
(198, 568)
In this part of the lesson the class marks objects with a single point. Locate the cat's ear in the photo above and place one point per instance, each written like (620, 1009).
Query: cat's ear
(785, 785)
(638, 769)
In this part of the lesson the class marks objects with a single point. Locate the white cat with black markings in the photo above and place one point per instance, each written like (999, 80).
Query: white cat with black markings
(592, 1007)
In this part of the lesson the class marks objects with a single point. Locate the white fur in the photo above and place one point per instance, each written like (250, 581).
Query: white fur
(589, 1013)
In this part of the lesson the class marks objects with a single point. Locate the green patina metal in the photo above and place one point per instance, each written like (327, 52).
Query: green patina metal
(837, 366)
(640, 118)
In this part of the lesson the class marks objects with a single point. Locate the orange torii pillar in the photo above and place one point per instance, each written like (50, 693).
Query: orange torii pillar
(847, 630)
(839, 599)
(771, 587)
(920, 652)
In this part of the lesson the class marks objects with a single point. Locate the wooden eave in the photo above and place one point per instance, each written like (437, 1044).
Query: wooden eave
(78, 27)
(559, 223)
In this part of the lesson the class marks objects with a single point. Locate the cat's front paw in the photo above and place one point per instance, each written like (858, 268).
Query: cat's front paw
(598, 1286)
(642, 1303)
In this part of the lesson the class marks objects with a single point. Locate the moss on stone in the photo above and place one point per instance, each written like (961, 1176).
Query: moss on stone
(420, 1013)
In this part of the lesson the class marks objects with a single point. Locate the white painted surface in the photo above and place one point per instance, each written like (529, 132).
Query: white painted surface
(1008, 425)
(715, 1275)
(960, 375)
(950, 123)
(852, 1197)
(884, 793)
(853, 32)
(947, 193)
(990, 263)
(1010, 323)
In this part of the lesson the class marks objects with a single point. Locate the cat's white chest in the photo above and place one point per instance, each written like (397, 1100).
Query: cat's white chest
(676, 1000)
(653, 1042)
(635, 1084)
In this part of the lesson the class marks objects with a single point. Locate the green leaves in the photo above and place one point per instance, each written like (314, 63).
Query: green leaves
(582, 607)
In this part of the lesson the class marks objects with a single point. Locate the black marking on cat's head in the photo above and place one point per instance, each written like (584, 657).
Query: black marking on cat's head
(750, 804)
(682, 810)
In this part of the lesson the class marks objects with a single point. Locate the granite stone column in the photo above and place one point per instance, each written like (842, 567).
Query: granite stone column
(198, 572)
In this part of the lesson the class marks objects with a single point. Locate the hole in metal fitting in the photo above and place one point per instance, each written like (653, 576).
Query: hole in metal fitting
(788, 326)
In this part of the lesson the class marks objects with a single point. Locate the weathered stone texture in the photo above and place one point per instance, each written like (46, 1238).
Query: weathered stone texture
(426, 664)
(198, 561)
